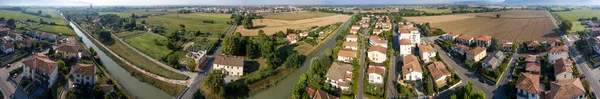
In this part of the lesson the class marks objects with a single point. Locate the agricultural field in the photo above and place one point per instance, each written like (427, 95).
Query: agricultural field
(146, 43)
(270, 26)
(576, 14)
(296, 16)
(52, 12)
(192, 22)
(514, 27)
(23, 17)
(140, 12)
(120, 14)
(60, 28)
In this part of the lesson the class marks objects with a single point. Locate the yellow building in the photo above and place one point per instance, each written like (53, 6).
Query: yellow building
(67, 51)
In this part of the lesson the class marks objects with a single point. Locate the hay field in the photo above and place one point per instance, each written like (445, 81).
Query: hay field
(438, 19)
(270, 26)
(518, 25)
(297, 16)
(192, 22)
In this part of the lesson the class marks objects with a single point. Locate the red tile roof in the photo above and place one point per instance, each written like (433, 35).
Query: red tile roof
(40, 62)
(484, 38)
(558, 49)
(347, 53)
(411, 64)
(404, 41)
(237, 61)
(377, 70)
(566, 89)
(68, 48)
(437, 70)
(84, 69)
(563, 65)
(378, 49)
(376, 39)
(529, 83)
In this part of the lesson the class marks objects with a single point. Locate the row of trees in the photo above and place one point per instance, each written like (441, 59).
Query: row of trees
(314, 77)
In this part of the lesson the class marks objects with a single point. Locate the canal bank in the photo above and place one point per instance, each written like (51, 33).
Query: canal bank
(283, 89)
(137, 88)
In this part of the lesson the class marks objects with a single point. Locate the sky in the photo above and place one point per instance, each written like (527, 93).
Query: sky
(248, 2)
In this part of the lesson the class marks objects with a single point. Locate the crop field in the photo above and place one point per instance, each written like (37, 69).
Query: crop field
(514, 27)
(270, 26)
(296, 16)
(23, 17)
(192, 22)
(52, 12)
(57, 29)
(146, 44)
(60, 28)
(576, 14)
(120, 14)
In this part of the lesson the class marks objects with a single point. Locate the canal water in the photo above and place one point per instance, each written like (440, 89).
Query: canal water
(283, 88)
(137, 88)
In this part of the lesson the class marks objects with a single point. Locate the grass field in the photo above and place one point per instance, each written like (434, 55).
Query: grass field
(192, 22)
(120, 14)
(270, 26)
(145, 43)
(517, 26)
(61, 26)
(576, 14)
(128, 34)
(52, 12)
(297, 16)
(57, 29)
(23, 17)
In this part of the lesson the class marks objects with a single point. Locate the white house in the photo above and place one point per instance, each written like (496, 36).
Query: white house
(293, 38)
(339, 75)
(484, 41)
(352, 38)
(563, 69)
(528, 86)
(405, 47)
(411, 34)
(40, 69)
(377, 54)
(84, 74)
(7, 47)
(350, 45)
(411, 70)
(450, 36)
(231, 65)
(426, 52)
(304, 34)
(376, 41)
(465, 39)
(476, 54)
(557, 52)
(376, 74)
(377, 31)
(439, 73)
(346, 55)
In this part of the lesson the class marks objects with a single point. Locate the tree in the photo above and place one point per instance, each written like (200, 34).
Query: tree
(565, 25)
(105, 35)
(50, 51)
(215, 83)
(63, 69)
(39, 12)
(292, 61)
(11, 23)
(247, 22)
(497, 15)
(182, 27)
(143, 21)
(2, 19)
(251, 49)
(594, 18)
(230, 46)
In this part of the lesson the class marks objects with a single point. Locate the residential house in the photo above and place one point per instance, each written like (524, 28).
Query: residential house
(533, 68)
(12, 37)
(231, 65)
(355, 27)
(70, 40)
(377, 31)
(43, 35)
(353, 31)
(595, 43)
(450, 36)
(198, 57)
(532, 45)
(352, 38)
(387, 26)
(376, 73)
(67, 51)
(319, 94)
(376, 41)
(439, 73)
(346, 55)
(557, 52)
(461, 49)
(506, 46)
(364, 24)
(304, 34)
(484, 41)
(411, 34)
(405, 47)
(27, 42)
(411, 69)
(39, 69)
(339, 75)
(567, 89)
(531, 59)
(293, 38)
(8, 47)
(554, 42)
(4, 31)
(377, 54)
(493, 60)
(476, 54)
(528, 86)
(350, 45)
(563, 69)
(465, 39)
(426, 52)
(595, 31)
(84, 74)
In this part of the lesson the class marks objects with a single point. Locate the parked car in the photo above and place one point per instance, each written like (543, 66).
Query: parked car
(7, 65)
(15, 75)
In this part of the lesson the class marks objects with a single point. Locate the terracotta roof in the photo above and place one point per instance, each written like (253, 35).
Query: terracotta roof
(476, 51)
(347, 53)
(411, 64)
(531, 58)
(404, 41)
(566, 89)
(425, 48)
(558, 49)
(563, 65)
(353, 30)
(462, 48)
(8, 45)
(595, 29)
(84, 69)
(484, 38)
(377, 70)
(465, 37)
(452, 34)
(237, 61)
(4, 29)
(320, 94)
(376, 39)
(311, 91)
(27, 41)
(68, 48)
(338, 70)
(533, 43)
(554, 40)
(40, 62)
(437, 70)
(352, 36)
(292, 37)
(407, 30)
(534, 67)
(529, 83)
(378, 49)
(304, 33)
(350, 44)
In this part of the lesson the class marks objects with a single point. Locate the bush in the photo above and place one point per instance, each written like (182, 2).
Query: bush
(18, 70)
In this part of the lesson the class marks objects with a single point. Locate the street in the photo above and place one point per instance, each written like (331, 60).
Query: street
(361, 78)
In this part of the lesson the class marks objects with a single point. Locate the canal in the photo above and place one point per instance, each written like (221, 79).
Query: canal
(283, 89)
(137, 88)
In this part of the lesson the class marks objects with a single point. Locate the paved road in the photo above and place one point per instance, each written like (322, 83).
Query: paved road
(8, 85)
(361, 78)
(391, 90)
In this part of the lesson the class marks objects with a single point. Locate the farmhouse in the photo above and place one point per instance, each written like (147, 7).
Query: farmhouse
(567, 89)
(493, 60)
(557, 52)
(450, 36)
(465, 39)
(476, 54)
(411, 70)
(411, 34)
(293, 38)
(405, 47)
(439, 73)
(352, 38)
(350, 45)
(461, 49)
(67, 51)
(376, 73)
(426, 52)
(532, 45)
(346, 55)
(528, 86)
(231, 65)
(377, 54)
(339, 75)
(484, 41)
(376, 41)
(40, 69)
(84, 74)
(563, 69)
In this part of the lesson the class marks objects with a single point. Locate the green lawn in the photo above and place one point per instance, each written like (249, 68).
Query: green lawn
(121, 14)
(146, 44)
(128, 34)
(57, 29)
(52, 12)
(297, 16)
(23, 17)
(577, 26)
(576, 14)
(192, 22)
